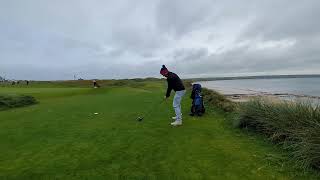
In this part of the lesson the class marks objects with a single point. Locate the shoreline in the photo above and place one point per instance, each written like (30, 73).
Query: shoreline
(297, 89)
(286, 97)
(244, 95)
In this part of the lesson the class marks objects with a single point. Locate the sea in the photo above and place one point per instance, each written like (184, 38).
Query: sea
(296, 86)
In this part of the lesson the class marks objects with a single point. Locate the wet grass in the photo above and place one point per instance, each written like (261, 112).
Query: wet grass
(62, 138)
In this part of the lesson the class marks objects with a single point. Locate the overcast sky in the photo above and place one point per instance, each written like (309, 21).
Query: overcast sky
(55, 39)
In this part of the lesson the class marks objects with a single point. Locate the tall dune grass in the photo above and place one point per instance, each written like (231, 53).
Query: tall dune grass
(215, 99)
(294, 126)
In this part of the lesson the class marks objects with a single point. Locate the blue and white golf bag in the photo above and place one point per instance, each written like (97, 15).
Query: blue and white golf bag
(197, 107)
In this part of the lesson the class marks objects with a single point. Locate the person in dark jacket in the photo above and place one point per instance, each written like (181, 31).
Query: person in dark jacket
(174, 83)
(95, 84)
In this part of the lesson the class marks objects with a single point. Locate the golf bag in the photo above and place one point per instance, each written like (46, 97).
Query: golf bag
(197, 107)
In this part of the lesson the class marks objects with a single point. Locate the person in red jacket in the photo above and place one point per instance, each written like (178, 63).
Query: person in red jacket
(174, 83)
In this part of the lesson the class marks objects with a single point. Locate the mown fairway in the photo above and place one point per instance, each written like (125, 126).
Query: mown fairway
(62, 138)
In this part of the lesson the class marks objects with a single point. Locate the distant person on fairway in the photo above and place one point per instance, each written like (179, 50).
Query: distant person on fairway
(95, 84)
(175, 83)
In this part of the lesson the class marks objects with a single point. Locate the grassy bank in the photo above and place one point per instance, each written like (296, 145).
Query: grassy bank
(294, 126)
(62, 138)
(215, 99)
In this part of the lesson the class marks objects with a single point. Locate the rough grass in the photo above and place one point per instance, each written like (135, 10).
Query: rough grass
(215, 99)
(294, 126)
(12, 101)
(61, 138)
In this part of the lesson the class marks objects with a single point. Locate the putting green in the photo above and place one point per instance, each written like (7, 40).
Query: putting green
(62, 138)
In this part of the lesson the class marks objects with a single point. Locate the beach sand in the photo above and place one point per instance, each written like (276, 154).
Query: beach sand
(243, 95)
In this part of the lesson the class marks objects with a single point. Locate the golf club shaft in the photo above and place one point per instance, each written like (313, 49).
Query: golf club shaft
(146, 114)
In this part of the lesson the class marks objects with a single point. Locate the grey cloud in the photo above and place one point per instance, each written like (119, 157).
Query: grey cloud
(122, 38)
(186, 55)
(180, 17)
(244, 60)
(285, 19)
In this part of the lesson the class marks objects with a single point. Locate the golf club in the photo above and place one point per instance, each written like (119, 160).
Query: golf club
(140, 118)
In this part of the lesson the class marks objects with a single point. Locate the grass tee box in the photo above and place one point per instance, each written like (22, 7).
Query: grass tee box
(62, 138)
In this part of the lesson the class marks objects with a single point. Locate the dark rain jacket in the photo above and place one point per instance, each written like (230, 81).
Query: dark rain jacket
(174, 83)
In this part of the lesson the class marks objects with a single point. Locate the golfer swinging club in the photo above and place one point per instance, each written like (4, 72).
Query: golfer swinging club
(175, 83)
